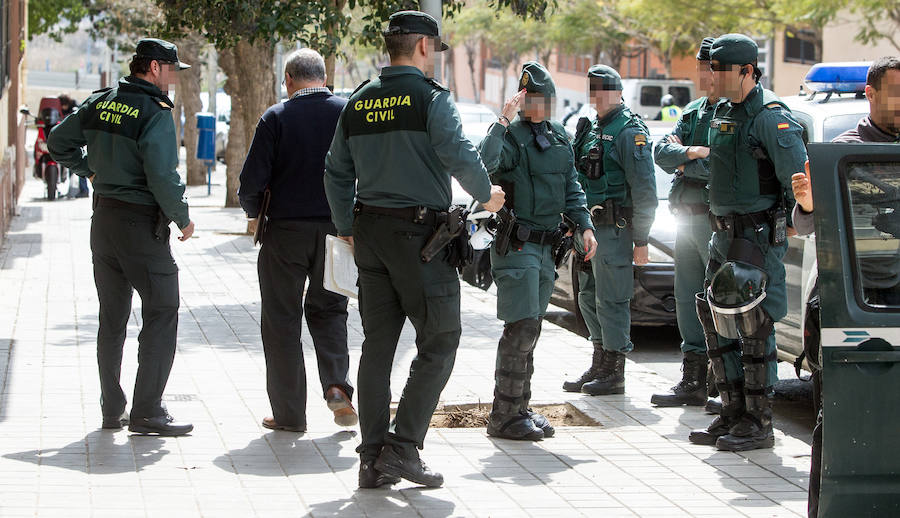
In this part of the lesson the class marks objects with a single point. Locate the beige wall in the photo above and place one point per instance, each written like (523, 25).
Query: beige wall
(838, 43)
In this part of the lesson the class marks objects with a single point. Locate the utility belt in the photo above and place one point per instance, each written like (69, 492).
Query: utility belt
(162, 221)
(693, 182)
(419, 214)
(736, 224)
(451, 233)
(688, 209)
(610, 213)
(509, 234)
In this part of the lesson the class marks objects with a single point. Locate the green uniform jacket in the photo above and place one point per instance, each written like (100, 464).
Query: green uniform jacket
(132, 151)
(689, 187)
(397, 143)
(740, 182)
(541, 185)
(628, 178)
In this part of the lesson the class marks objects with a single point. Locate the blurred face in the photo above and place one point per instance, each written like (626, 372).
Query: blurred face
(603, 97)
(164, 75)
(884, 102)
(729, 83)
(705, 78)
(536, 107)
(430, 49)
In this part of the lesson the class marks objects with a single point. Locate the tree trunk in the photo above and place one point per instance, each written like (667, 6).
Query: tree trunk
(450, 73)
(189, 92)
(470, 59)
(246, 67)
(329, 59)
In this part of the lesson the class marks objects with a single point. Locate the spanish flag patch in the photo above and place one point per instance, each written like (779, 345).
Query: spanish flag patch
(640, 139)
(783, 125)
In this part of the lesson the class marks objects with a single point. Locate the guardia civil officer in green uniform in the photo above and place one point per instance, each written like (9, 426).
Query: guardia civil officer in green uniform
(397, 143)
(755, 148)
(615, 168)
(685, 152)
(532, 160)
(131, 157)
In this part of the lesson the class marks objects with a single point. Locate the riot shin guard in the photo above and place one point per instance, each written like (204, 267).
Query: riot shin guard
(508, 419)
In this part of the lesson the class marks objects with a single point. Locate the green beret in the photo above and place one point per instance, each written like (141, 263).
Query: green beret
(604, 78)
(734, 49)
(535, 79)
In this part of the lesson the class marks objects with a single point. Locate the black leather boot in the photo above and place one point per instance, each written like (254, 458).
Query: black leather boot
(539, 420)
(732, 409)
(751, 431)
(612, 376)
(590, 374)
(508, 418)
(691, 390)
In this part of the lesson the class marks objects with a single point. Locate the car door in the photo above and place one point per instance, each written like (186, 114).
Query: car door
(856, 192)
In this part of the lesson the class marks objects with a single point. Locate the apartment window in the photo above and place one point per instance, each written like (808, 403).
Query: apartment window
(802, 46)
(573, 64)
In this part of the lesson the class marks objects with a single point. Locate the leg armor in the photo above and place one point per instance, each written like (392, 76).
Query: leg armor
(508, 419)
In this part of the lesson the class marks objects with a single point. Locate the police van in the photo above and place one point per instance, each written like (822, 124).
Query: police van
(833, 103)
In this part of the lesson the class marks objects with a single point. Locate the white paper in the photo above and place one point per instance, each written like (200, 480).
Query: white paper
(340, 267)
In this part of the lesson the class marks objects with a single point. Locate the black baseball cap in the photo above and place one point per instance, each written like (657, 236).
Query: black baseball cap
(160, 50)
(415, 22)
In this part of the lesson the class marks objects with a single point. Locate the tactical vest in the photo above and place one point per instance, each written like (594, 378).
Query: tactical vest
(123, 110)
(611, 184)
(540, 176)
(393, 103)
(740, 166)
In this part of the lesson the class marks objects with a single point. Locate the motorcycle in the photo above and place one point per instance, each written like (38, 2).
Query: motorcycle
(45, 168)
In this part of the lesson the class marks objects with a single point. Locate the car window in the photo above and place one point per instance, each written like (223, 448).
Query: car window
(873, 195)
(651, 95)
(837, 124)
(682, 94)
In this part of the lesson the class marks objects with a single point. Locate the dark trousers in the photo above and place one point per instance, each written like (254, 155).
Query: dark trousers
(128, 257)
(292, 251)
(395, 284)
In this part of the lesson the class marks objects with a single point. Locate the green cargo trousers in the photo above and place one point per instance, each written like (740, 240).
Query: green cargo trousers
(394, 284)
(128, 257)
(691, 256)
(605, 292)
(775, 302)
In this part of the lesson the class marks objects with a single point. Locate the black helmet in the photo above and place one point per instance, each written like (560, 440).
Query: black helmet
(667, 100)
(734, 296)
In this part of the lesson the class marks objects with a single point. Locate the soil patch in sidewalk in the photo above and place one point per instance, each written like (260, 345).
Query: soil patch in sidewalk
(476, 415)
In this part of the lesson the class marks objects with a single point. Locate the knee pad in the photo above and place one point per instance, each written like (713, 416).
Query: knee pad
(521, 335)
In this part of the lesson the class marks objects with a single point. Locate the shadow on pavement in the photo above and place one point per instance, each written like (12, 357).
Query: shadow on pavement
(98, 453)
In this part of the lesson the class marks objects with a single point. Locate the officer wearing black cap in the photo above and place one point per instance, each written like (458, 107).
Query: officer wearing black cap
(387, 178)
(615, 168)
(755, 147)
(685, 153)
(132, 153)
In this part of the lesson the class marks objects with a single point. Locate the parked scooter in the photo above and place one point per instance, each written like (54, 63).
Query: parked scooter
(45, 168)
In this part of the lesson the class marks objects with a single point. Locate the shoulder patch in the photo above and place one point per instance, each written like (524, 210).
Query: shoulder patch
(640, 139)
(164, 105)
(364, 83)
(435, 84)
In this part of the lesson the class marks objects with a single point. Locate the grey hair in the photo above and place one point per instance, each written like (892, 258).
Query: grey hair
(305, 65)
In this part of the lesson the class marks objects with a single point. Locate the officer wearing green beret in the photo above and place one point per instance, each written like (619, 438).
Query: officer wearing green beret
(387, 178)
(615, 169)
(755, 148)
(532, 160)
(685, 152)
(132, 153)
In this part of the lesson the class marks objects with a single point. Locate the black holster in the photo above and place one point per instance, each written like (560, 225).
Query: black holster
(161, 229)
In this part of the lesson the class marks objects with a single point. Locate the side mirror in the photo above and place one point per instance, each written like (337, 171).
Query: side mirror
(24, 111)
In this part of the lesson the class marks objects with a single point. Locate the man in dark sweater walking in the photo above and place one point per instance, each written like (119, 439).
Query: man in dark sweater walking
(287, 157)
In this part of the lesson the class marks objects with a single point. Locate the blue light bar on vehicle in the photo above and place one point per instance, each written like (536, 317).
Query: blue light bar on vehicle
(844, 77)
